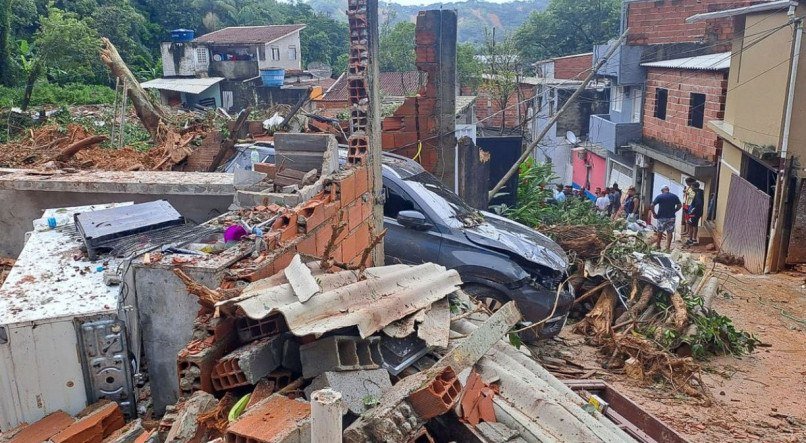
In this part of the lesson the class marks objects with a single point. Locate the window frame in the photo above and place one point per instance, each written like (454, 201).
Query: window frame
(290, 49)
(275, 53)
(696, 112)
(660, 111)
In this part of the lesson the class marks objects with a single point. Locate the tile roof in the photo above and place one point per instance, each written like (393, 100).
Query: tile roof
(393, 84)
(249, 34)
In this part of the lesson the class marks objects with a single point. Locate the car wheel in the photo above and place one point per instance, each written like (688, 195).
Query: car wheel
(489, 297)
(494, 300)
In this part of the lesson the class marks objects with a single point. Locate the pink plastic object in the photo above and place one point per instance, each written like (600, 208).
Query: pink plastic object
(234, 233)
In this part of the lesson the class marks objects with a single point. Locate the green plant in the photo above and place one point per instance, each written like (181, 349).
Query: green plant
(717, 335)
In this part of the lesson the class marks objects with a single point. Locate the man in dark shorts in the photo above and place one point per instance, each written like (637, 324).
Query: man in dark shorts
(695, 211)
(668, 204)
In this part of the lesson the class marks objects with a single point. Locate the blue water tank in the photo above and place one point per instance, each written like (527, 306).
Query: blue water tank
(272, 77)
(182, 35)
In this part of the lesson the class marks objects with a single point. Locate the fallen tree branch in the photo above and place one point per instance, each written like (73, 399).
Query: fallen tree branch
(74, 148)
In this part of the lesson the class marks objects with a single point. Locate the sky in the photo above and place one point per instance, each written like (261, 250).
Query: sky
(428, 2)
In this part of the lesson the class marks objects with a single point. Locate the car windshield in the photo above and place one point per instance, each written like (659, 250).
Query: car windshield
(455, 212)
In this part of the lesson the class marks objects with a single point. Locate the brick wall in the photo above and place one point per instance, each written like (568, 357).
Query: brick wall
(573, 67)
(486, 106)
(417, 120)
(674, 131)
(307, 228)
(663, 21)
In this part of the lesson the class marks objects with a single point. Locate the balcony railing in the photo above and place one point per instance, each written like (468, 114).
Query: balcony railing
(611, 135)
(234, 69)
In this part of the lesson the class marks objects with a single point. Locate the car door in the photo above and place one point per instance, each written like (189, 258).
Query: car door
(401, 244)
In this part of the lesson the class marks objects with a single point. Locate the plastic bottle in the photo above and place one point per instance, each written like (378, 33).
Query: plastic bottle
(255, 157)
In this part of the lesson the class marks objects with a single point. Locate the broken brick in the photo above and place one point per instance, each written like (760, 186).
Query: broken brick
(97, 422)
(438, 397)
(250, 330)
(477, 401)
(275, 419)
(43, 429)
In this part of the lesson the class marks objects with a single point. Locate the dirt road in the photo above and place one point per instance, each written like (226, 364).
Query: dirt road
(760, 397)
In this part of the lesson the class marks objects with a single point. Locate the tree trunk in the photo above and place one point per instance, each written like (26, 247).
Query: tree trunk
(36, 69)
(150, 114)
(71, 150)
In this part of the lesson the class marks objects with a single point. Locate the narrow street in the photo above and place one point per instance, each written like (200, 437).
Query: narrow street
(758, 397)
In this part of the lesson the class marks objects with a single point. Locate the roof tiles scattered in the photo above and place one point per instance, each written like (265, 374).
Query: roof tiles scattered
(393, 84)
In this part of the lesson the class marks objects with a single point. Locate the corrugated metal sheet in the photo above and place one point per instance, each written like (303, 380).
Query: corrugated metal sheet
(796, 252)
(249, 34)
(188, 85)
(388, 294)
(710, 62)
(746, 223)
(779, 5)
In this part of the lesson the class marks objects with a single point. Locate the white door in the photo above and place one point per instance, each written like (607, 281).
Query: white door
(676, 188)
(636, 104)
(226, 100)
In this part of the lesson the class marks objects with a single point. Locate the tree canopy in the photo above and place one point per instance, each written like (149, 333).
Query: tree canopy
(567, 27)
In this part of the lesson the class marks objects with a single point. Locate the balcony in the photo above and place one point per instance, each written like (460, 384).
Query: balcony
(611, 135)
(624, 64)
(234, 69)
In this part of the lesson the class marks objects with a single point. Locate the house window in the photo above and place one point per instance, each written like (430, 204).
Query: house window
(661, 96)
(201, 56)
(261, 52)
(551, 102)
(292, 52)
(275, 53)
(696, 110)
(617, 98)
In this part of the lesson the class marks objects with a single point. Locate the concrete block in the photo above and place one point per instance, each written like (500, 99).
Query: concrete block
(438, 397)
(185, 427)
(248, 364)
(247, 180)
(356, 387)
(340, 353)
(291, 360)
(250, 330)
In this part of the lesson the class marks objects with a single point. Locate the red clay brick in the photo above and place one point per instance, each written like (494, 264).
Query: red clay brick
(438, 397)
(273, 419)
(43, 429)
(266, 168)
(97, 422)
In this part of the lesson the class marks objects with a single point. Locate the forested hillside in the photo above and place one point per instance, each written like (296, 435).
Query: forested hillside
(474, 15)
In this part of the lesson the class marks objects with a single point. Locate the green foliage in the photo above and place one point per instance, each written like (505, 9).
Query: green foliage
(59, 95)
(531, 209)
(396, 47)
(715, 334)
(468, 68)
(567, 27)
(501, 70)
(6, 75)
(69, 47)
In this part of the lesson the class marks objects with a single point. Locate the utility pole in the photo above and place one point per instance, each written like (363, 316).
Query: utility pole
(528, 151)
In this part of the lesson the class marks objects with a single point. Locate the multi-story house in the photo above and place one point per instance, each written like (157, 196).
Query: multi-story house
(640, 147)
(223, 68)
(760, 212)
(558, 78)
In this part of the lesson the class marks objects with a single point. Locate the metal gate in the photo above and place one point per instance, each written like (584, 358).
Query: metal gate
(746, 223)
(796, 252)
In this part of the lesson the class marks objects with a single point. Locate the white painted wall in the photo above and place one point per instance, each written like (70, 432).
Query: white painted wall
(193, 59)
(283, 54)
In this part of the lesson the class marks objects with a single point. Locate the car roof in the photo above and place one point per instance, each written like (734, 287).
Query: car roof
(404, 167)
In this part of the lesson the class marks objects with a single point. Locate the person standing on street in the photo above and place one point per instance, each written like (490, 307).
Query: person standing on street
(668, 204)
(615, 200)
(695, 210)
(602, 201)
(630, 206)
(688, 196)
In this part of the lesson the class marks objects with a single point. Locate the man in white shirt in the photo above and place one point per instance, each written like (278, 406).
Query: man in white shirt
(602, 201)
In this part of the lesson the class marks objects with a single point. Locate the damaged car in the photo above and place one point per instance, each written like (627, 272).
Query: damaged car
(498, 259)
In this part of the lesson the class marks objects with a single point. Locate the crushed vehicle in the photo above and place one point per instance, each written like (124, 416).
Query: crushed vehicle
(498, 259)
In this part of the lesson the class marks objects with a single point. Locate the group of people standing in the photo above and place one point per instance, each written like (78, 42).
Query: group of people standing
(667, 203)
(610, 202)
